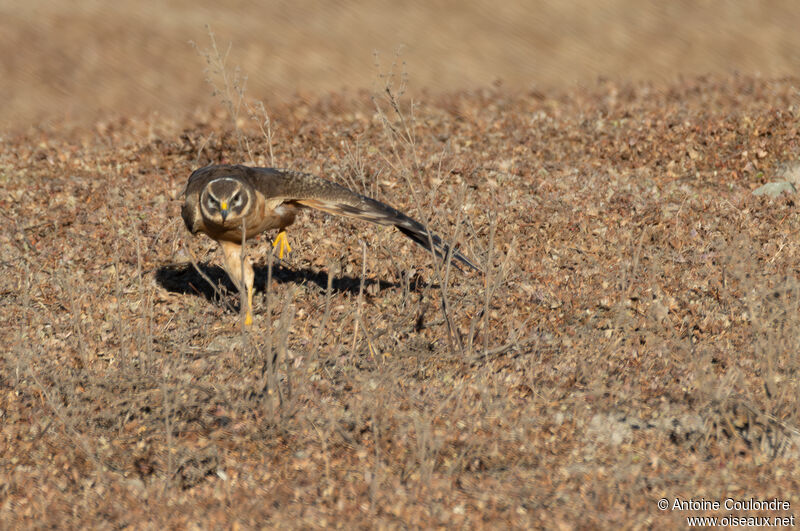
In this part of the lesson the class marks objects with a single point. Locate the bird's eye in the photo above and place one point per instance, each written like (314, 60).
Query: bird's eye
(236, 199)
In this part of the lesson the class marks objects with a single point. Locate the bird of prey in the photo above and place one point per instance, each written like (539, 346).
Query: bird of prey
(220, 199)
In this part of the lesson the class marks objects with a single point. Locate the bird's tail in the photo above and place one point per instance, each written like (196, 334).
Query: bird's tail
(357, 206)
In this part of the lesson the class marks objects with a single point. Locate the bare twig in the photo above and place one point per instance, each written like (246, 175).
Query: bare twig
(118, 315)
(233, 85)
(167, 429)
(360, 303)
(207, 279)
(74, 435)
(232, 95)
(244, 307)
(265, 125)
(284, 327)
(318, 334)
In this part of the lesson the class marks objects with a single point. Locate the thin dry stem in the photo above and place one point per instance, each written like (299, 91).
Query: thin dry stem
(205, 277)
(360, 303)
(326, 316)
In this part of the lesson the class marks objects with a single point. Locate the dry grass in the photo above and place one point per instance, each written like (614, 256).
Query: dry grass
(634, 337)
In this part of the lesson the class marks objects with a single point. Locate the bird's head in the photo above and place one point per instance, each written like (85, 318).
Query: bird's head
(226, 201)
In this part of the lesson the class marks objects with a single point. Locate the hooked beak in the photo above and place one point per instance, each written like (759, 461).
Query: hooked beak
(223, 210)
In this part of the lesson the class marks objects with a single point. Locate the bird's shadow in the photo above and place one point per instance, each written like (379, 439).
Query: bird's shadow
(184, 279)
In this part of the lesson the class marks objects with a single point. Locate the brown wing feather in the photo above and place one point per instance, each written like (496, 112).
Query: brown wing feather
(382, 214)
(315, 192)
(360, 207)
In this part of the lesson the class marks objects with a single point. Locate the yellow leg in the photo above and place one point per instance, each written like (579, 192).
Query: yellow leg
(233, 266)
(283, 241)
(248, 318)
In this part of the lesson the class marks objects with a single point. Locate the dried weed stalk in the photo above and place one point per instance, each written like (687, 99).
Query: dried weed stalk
(168, 423)
(399, 129)
(196, 266)
(244, 308)
(325, 317)
(230, 87)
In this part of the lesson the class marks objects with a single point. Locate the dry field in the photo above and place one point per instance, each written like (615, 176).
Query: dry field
(634, 335)
(91, 59)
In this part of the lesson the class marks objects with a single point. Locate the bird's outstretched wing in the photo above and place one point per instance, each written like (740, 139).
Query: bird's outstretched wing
(307, 190)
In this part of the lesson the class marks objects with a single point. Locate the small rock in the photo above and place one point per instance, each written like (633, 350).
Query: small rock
(775, 189)
(791, 173)
(135, 484)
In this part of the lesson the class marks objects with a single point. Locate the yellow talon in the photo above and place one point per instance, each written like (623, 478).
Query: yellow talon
(283, 241)
(248, 319)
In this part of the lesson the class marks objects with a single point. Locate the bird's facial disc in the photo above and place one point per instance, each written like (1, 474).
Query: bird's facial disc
(225, 200)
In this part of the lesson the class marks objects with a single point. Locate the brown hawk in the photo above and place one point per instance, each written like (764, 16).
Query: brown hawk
(219, 198)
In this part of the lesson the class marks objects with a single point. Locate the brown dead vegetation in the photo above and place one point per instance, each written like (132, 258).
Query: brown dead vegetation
(635, 336)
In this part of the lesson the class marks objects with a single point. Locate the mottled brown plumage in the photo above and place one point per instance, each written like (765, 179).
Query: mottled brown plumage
(218, 198)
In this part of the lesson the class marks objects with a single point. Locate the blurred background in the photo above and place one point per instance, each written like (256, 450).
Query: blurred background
(84, 59)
